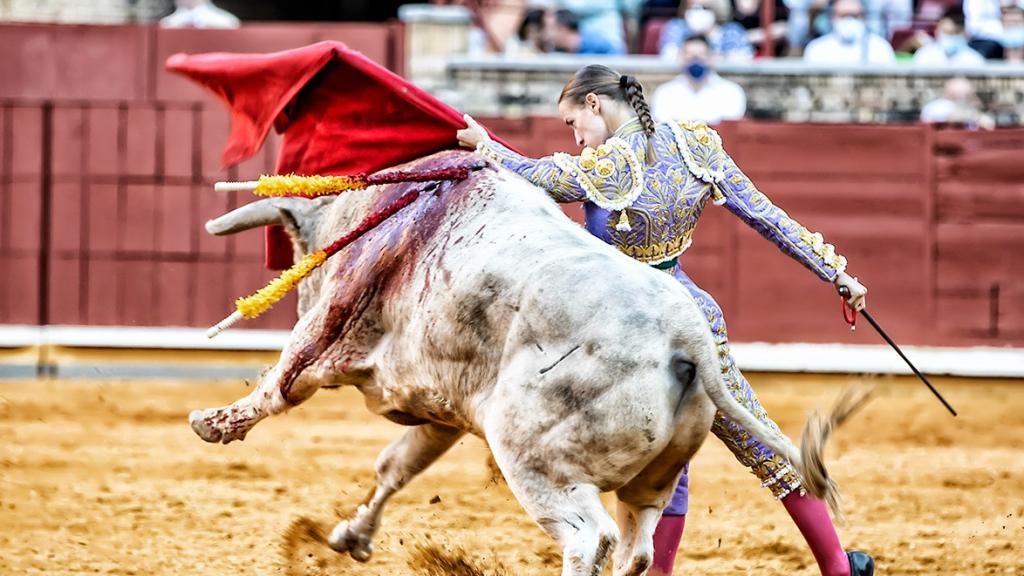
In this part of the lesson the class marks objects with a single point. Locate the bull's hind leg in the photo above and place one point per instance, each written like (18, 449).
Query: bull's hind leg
(572, 514)
(634, 554)
(399, 463)
(280, 388)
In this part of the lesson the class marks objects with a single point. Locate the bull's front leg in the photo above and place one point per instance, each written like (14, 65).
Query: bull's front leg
(282, 387)
(399, 463)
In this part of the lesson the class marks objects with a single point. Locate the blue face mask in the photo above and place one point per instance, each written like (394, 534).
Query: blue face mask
(1013, 38)
(696, 69)
(952, 44)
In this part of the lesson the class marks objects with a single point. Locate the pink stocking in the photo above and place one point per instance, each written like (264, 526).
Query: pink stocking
(666, 543)
(811, 516)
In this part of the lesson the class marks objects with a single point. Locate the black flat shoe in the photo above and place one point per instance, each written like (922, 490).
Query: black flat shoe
(861, 564)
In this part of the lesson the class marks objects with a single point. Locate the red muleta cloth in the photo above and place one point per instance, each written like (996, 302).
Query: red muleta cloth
(340, 113)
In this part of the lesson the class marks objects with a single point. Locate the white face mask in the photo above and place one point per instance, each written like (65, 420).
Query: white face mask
(848, 28)
(699, 20)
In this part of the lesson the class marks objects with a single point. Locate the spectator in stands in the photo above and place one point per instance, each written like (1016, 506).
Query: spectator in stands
(562, 32)
(950, 45)
(883, 17)
(199, 14)
(850, 42)
(712, 20)
(798, 27)
(529, 38)
(605, 19)
(699, 93)
(983, 21)
(1012, 39)
(959, 105)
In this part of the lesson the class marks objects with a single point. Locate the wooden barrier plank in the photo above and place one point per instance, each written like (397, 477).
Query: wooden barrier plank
(68, 133)
(176, 228)
(104, 219)
(103, 124)
(103, 300)
(830, 149)
(973, 256)
(64, 300)
(67, 217)
(138, 304)
(26, 141)
(25, 217)
(21, 275)
(174, 294)
(94, 63)
(211, 285)
(967, 201)
(137, 229)
(178, 151)
(139, 154)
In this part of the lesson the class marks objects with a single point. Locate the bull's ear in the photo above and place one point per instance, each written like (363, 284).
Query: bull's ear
(294, 230)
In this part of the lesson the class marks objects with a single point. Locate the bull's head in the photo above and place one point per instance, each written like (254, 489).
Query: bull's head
(300, 217)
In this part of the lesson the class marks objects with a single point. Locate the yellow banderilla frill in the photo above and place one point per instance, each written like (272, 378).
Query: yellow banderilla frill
(258, 303)
(292, 185)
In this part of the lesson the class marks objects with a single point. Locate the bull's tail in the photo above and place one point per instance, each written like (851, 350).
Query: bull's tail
(808, 460)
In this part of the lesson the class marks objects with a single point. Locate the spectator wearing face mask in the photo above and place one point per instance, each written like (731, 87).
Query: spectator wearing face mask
(710, 19)
(1012, 37)
(850, 42)
(950, 46)
(699, 93)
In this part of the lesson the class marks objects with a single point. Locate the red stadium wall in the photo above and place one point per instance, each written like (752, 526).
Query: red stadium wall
(107, 165)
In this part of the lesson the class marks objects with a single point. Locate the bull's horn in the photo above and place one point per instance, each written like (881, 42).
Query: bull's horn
(253, 215)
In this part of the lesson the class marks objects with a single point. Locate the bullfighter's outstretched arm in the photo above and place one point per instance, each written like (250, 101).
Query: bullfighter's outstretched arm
(610, 175)
(702, 151)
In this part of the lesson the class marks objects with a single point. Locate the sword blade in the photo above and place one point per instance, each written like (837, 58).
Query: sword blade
(907, 360)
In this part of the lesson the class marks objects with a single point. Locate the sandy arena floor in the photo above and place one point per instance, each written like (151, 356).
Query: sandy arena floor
(104, 477)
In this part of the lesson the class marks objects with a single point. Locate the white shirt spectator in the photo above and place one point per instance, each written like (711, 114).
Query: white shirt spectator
(717, 99)
(201, 15)
(983, 19)
(867, 49)
(934, 55)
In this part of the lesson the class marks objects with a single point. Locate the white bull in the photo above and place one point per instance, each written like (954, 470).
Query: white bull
(481, 308)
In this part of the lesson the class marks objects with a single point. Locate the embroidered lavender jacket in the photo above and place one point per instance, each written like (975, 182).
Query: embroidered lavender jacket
(649, 211)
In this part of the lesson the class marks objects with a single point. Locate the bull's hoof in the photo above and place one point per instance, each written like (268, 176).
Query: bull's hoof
(210, 426)
(344, 539)
(203, 428)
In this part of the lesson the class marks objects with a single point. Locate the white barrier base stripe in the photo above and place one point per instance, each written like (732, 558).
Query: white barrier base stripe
(980, 361)
(140, 337)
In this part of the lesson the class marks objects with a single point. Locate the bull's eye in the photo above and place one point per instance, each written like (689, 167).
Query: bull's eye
(431, 186)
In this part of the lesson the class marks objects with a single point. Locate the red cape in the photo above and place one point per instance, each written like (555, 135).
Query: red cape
(340, 113)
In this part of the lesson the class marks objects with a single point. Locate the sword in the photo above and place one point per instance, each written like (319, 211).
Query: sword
(845, 293)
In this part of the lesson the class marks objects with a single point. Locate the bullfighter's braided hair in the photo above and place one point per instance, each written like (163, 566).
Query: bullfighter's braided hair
(603, 81)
